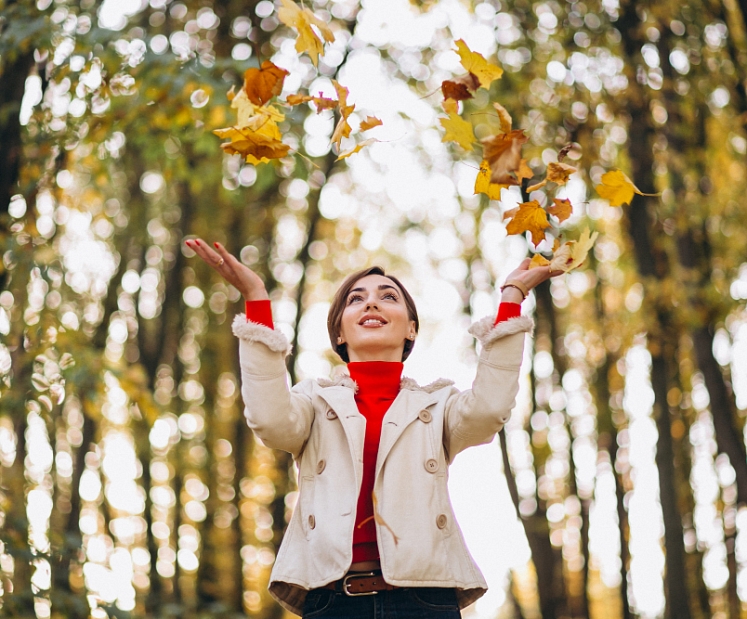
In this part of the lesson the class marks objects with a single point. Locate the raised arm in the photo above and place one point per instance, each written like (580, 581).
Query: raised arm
(279, 417)
(474, 416)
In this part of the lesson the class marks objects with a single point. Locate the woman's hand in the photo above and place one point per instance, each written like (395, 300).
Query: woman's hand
(241, 277)
(530, 278)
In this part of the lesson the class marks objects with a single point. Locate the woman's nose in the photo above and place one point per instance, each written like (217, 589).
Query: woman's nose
(371, 304)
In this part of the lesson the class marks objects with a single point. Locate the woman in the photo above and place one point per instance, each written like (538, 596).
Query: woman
(373, 533)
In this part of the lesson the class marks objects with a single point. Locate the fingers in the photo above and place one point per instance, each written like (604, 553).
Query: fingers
(213, 258)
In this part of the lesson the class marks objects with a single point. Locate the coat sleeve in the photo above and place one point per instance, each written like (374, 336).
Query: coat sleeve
(474, 416)
(280, 417)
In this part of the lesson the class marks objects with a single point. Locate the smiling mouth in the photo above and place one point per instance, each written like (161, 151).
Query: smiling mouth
(372, 322)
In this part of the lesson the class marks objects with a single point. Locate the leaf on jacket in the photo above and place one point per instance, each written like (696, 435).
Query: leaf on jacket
(618, 188)
(261, 85)
(458, 130)
(483, 184)
(476, 64)
(561, 208)
(301, 21)
(503, 154)
(358, 148)
(370, 123)
(380, 519)
(528, 217)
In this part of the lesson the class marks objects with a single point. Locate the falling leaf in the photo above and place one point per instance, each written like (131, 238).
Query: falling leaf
(581, 249)
(261, 85)
(563, 152)
(458, 130)
(301, 21)
(506, 120)
(256, 148)
(559, 172)
(343, 129)
(537, 186)
(450, 106)
(358, 148)
(476, 64)
(322, 103)
(370, 123)
(538, 260)
(483, 184)
(524, 171)
(618, 188)
(562, 209)
(528, 217)
(460, 88)
(503, 154)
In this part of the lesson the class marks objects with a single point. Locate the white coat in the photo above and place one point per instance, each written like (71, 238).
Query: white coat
(318, 422)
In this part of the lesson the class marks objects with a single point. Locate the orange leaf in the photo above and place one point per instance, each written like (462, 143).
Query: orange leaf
(524, 171)
(506, 120)
(264, 83)
(503, 154)
(528, 217)
(559, 172)
(562, 209)
(342, 130)
(256, 148)
(451, 106)
(370, 123)
(322, 103)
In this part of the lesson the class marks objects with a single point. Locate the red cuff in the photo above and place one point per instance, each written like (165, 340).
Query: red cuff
(259, 312)
(508, 310)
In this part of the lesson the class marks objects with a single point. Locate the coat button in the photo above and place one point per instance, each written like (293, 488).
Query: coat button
(431, 465)
(331, 414)
(441, 521)
(320, 466)
(312, 521)
(425, 416)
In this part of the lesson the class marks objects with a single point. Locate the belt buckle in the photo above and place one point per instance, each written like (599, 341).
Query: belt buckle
(355, 595)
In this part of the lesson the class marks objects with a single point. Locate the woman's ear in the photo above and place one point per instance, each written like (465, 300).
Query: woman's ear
(412, 333)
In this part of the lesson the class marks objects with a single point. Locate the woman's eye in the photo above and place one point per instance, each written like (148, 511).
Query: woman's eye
(355, 297)
(390, 295)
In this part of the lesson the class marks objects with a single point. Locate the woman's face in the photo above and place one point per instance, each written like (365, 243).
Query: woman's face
(375, 323)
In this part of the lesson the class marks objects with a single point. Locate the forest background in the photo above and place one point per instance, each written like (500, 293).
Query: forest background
(131, 485)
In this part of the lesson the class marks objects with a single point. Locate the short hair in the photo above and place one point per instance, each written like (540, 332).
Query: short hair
(339, 302)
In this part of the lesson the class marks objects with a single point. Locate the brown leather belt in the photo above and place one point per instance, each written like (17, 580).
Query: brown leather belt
(366, 583)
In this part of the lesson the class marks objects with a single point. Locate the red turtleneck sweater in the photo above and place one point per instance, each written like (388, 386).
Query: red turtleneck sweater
(378, 385)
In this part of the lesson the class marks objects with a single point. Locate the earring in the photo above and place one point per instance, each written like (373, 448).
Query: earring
(339, 340)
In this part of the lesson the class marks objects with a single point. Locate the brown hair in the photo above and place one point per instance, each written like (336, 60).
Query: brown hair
(334, 317)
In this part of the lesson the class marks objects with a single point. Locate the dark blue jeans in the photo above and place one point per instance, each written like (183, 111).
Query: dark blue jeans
(409, 603)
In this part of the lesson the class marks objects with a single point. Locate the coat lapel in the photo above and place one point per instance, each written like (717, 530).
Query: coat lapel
(342, 401)
(403, 411)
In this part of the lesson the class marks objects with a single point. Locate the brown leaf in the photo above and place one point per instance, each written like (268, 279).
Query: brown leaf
(562, 209)
(256, 147)
(503, 154)
(460, 88)
(528, 217)
(264, 83)
(322, 103)
(506, 120)
(563, 152)
(343, 129)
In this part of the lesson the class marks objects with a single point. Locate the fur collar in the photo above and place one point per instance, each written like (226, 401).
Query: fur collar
(406, 383)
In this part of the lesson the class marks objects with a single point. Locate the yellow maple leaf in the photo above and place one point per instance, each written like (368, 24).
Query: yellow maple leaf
(450, 106)
(528, 217)
(538, 260)
(483, 184)
(505, 118)
(256, 148)
(476, 64)
(358, 148)
(561, 208)
(301, 21)
(618, 188)
(370, 123)
(458, 130)
(559, 173)
(570, 255)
